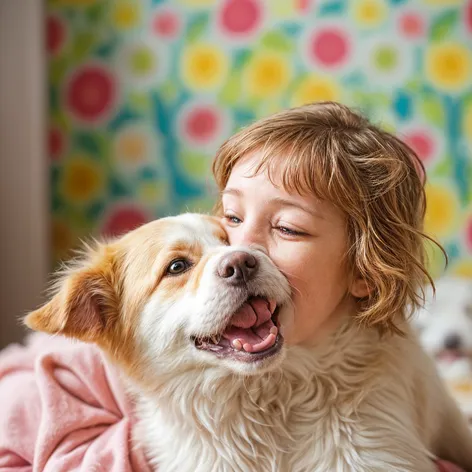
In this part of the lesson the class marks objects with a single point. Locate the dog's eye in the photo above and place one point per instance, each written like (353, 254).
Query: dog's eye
(178, 266)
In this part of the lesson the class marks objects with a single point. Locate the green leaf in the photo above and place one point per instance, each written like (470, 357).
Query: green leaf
(414, 84)
(467, 99)
(57, 70)
(60, 119)
(83, 45)
(444, 24)
(278, 41)
(241, 58)
(95, 13)
(332, 7)
(443, 168)
(169, 90)
(139, 101)
(196, 164)
(87, 143)
(118, 188)
(231, 92)
(199, 205)
(95, 211)
(106, 50)
(433, 110)
(197, 26)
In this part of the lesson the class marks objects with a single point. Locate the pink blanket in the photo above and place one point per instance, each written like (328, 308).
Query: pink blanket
(63, 408)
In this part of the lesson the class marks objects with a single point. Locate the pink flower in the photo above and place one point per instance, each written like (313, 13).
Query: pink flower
(329, 47)
(468, 16)
(202, 124)
(468, 234)
(124, 218)
(55, 34)
(240, 17)
(422, 143)
(166, 24)
(90, 93)
(412, 25)
(56, 143)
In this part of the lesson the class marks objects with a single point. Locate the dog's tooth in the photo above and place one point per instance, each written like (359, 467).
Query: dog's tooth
(274, 330)
(237, 344)
(214, 340)
(272, 306)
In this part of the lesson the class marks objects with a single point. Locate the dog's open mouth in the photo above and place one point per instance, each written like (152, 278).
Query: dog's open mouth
(450, 355)
(252, 333)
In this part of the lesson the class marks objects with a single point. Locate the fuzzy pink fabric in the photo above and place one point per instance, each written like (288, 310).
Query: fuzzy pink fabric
(63, 408)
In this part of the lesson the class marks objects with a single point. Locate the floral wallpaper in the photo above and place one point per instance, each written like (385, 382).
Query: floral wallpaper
(142, 93)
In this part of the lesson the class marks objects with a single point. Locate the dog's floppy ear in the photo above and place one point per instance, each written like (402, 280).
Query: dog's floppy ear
(85, 301)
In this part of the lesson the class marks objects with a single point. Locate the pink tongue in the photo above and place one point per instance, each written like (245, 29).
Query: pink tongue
(251, 326)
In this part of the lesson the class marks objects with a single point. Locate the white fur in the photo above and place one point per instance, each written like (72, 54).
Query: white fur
(449, 313)
(353, 403)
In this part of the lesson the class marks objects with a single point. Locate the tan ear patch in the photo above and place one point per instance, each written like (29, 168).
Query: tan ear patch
(82, 307)
(218, 230)
(47, 318)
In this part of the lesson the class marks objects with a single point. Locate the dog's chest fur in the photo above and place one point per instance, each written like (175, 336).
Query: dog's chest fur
(315, 413)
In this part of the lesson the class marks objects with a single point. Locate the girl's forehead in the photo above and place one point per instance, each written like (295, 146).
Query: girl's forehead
(259, 189)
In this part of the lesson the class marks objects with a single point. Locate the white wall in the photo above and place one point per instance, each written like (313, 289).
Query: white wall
(24, 240)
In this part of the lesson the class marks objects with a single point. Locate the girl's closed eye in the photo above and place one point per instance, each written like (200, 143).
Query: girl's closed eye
(289, 232)
(284, 230)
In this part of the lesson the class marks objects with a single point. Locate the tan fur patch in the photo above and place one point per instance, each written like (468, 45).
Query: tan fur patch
(100, 299)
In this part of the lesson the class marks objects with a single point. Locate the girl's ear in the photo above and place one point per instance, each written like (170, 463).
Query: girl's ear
(359, 288)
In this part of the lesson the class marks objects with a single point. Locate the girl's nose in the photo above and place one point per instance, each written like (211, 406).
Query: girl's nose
(249, 237)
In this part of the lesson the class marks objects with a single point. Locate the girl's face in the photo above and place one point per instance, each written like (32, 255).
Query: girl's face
(306, 239)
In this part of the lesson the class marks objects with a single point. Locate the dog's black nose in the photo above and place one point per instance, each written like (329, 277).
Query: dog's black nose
(237, 267)
(453, 342)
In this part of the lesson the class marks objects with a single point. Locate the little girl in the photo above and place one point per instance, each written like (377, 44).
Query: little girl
(338, 204)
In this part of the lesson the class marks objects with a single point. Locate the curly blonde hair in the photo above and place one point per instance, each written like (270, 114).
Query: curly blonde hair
(334, 153)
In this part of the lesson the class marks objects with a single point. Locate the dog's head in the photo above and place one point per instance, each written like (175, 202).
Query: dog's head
(172, 296)
(445, 323)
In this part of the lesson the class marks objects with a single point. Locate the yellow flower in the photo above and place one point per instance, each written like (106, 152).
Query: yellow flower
(463, 268)
(126, 14)
(152, 192)
(467, 122)
(315, 89)
(283, 9)
(449, 65)
(131, 147)
(267, 75)
(82, 180)
(204, 66)
(441, 212)
(436, 263)
(198, 3)
(370, 13)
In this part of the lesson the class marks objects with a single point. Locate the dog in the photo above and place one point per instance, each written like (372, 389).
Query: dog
(445, 331)
(445, 326)
(197, 328)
